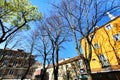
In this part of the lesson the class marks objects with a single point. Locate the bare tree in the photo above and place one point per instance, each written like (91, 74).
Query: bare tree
(82, 17)
(57, 34)
(44, 49)
(31, 41)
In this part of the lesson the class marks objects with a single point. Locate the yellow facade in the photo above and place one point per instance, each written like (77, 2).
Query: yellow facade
(105, 45)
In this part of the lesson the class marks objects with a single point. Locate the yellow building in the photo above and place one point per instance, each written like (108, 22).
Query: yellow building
(105, 45)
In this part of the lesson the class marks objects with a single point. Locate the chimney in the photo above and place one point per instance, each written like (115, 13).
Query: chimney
(110, 16)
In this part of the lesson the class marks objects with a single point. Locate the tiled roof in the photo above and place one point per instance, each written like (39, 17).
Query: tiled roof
(95, 70)
(69, 60)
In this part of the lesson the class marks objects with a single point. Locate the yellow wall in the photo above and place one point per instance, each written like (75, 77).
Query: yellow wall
(107, 45)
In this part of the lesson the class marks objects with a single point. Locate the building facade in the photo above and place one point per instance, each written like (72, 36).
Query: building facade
(105, 45)
(105, 48)
(15, 63)
(74, 69)
(69, 69)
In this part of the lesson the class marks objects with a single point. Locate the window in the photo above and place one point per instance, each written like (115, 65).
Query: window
(66, 67)
(109, 26)
(116, 37)
(81, 66)
(91, 36)
(80, 63)
(11, 72)
(10, 54)
(82, 70)
(103, 60)
(93, 59)
(5, 62)
(1, 73)
(19, 76)
(14, 63)
(17, 55)
(1, 55)
(96, 46)
(22, 63)
(20, 71)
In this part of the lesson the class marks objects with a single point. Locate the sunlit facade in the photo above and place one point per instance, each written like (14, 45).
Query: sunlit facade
(69, 69)
(105, 45)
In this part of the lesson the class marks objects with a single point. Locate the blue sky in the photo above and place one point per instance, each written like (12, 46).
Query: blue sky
(45, 7)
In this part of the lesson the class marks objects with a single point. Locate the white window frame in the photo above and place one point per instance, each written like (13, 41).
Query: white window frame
(19, 76)
(80, 63)
(96, 46)
(15, 63)
(92, 36)
(103, 60)
(116, 37)
(5, 62)
(11, 72)
(108, 26)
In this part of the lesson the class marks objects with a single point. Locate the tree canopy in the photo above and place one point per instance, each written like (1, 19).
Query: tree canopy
(15, 15)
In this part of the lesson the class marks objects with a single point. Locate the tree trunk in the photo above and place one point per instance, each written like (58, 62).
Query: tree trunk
(88, 70)
(26, 72)
(43, 73)
(56, 77)
(44, 69)
(57, 65)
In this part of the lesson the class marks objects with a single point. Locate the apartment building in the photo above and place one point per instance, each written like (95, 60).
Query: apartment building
(15, 63)
(74, 69)
(105, 48)
(69, 69)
